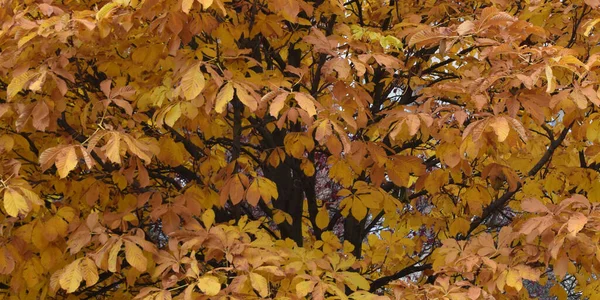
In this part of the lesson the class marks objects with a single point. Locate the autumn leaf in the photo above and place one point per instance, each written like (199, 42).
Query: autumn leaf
(224, 97)
(71, 277)
(66, 161)
(18, 83)
(306, 103)
(285, 148)
(209, 285)
(260, 284)
(192, 82)
(135, 256)
(15, 203)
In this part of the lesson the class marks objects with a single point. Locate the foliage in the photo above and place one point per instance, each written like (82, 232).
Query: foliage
(294, 149)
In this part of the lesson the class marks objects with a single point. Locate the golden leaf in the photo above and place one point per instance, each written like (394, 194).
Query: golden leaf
(135, 257)
(15, 203)
(71, 277)
(192, 82)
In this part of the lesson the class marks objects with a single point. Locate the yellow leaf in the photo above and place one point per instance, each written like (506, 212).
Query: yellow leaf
(253, 193)
(304, 287)
(306, 102)
(245, 97)
(6, 143)
(576, 223)
(267, 188)
(355, 280)
(206, 3)
(71, 277)
(18, 83)
(31, 196)
(501, 128)
(113, 255)
(89, 271)
(307, 167)
(26, 38)
(359, 210)
(590, 26)
(559, 292)
(171, 152)
(135, 257)
(186, 5)
(66, 160)
(459, 225)
(192, 82)
(277, 104)
(209, 285)
(173, 115)
(208, 218)
(224, 97)
(551, 80)
(105, 10)
(513, 279)
(260, 284)
(15, 203)
(322, 219)
(413, 123)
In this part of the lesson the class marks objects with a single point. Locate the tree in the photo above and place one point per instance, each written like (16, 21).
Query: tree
(299, 149)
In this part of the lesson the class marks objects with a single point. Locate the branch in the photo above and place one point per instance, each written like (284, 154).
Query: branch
(62, 122)
(500, 202)
(191, 148)
(375, 285)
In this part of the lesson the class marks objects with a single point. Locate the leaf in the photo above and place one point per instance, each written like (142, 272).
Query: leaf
(186, 5)
(112, 149)
(359, 210)
(501, 128)
(322, 219)
(277, 104)
(18, 83)
(15, 203)
(513, 279)
(71, 277)
(105, 10)
(355, 281)
(465, 27)
(224, 97)
(533, 205)
(459, 225)
(306, 102)
(209, 285)
(590, 26)
(173, 114)
(267, 188)
(207, 3)
(208, 218)
(26, 38)
(425, 36)
(245, 97)
(304, 287)
(260, 284)
(253, 193)
(89, 271)
(192, 82)
(135, 257)
(551, 81)
(576, 223)
(113, 256)
(66, 161)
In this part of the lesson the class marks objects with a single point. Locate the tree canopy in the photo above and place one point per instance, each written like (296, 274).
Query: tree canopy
(291, 149)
